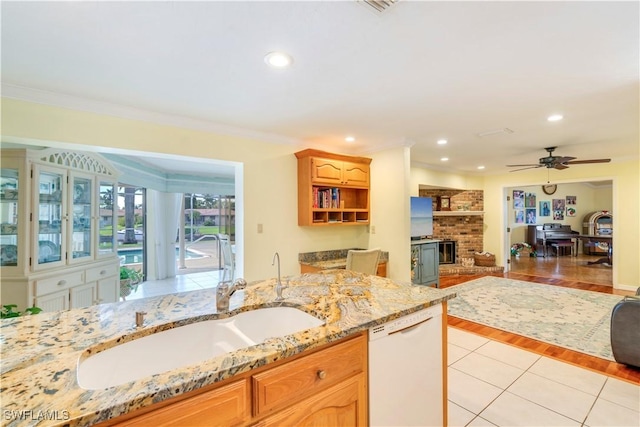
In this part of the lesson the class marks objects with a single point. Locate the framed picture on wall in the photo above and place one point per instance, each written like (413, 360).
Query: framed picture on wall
(558, 214)
(518, 199)
(558, 205)
(571, 200)
(571, 211)
(519, 216)
(545, 208)
(530, 200)
(531, 215)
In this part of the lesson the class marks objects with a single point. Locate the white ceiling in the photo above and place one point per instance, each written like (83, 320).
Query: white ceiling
(413, 74)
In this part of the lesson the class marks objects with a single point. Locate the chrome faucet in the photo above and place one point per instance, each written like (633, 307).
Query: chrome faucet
(279, 286)
(140, 319)
(225, 289)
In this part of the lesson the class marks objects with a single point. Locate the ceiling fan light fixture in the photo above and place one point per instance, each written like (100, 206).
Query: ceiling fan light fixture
(555, 117)
(278, 59)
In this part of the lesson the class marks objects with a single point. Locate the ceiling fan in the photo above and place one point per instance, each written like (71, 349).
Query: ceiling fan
(556, 162)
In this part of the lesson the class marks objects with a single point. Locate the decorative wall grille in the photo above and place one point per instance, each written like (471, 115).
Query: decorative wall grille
(79, 161)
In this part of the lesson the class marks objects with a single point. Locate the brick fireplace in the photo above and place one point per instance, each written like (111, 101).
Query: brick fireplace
(465, 230)
(447, 249)
(460, 226)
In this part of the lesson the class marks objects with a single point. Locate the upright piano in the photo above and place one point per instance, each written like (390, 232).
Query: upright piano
(545, 235)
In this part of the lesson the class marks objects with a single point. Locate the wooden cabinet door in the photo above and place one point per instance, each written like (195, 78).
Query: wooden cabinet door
(426, 261)
(226, 406)
(326, 171)
(309, 375)
(356, 174)
(430, 263)
(343, 405)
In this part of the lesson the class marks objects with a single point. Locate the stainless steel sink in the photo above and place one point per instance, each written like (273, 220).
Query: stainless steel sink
(188, 345)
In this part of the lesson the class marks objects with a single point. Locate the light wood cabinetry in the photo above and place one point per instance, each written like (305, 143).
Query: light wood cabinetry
(326, 171)
(341, 405)
(327, 386)
(58, 229)
(333, 189)
(228, 405)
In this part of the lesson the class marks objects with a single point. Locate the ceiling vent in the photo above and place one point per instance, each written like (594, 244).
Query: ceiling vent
(380, 5)
(494, 132)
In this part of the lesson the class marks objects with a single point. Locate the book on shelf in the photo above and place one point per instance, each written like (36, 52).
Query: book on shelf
(328, 198)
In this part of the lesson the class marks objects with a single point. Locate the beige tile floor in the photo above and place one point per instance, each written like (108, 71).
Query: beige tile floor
(494, 384)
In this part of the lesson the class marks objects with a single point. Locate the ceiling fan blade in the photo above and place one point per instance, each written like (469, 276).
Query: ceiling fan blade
(560, 166)
(584, 162)
(564, 160)
(529, 164)
(528, 167)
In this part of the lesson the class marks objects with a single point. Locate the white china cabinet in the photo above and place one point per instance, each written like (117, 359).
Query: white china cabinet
(57, 232)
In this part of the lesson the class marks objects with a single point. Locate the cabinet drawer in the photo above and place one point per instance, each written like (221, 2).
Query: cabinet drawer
(289, 383)
(57, 283)
(225, 406)
(98, 273)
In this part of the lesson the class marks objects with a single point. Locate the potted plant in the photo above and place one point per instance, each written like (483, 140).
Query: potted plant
(8, 311)
(129, 280)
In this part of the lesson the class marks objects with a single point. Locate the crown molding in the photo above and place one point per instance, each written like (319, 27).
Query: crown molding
(72, 102)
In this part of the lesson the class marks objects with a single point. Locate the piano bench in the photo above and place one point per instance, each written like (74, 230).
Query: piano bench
(557, 246)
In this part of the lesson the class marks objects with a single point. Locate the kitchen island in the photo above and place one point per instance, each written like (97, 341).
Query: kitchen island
(40, 353)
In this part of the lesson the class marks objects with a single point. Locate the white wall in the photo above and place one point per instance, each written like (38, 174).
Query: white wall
(390, 210)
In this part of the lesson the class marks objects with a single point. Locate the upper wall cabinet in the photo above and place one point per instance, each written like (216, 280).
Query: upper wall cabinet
(58, 217)
(327, 171)
(333, 189)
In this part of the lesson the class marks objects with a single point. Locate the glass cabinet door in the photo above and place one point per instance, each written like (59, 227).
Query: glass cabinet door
(81, 243)
(9, 239)
(49, 243)
(106, 218)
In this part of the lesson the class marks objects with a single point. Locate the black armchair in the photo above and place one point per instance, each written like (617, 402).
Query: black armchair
(625, 331)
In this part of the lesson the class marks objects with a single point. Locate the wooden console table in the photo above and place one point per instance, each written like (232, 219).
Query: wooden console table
(593, 239)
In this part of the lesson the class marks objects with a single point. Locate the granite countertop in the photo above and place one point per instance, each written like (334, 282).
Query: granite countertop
(40, 353)
(327, 260)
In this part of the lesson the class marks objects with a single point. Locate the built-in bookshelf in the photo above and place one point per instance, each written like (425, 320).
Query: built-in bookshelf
(333, 189)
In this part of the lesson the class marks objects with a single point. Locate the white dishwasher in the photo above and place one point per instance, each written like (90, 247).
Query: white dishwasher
(405, 370)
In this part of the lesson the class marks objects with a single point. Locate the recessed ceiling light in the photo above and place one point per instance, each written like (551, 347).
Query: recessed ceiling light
(480, 167)
(444, 159)
(555, 117)
(350, 139)
(442, 141)
(278, 59)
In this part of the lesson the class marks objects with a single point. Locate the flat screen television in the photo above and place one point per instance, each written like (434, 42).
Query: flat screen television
(421, 217)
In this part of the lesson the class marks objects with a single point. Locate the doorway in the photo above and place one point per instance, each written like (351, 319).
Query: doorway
(530, 207)
(208, 218)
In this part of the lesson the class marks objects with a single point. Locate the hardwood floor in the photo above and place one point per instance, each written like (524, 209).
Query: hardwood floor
(565, 268)
(606, 367)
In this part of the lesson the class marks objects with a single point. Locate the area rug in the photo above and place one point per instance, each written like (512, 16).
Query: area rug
(569, 318)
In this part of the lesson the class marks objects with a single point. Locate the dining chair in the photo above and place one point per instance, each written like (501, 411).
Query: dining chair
(363, 261)
(227, 257)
